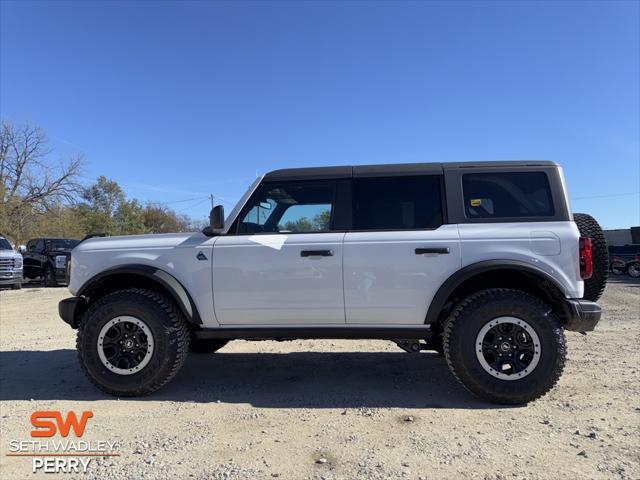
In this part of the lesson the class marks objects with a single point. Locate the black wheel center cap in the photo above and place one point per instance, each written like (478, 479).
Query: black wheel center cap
(128, 344)
(505, 346)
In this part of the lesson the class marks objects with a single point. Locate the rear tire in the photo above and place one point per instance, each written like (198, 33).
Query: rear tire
(163, 329)
(201, 345)
(589, 227)
(534, 352)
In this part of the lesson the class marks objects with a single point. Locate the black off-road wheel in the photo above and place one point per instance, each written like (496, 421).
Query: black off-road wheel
(589, 227)
(505, 346)
(205, 345)
(132, 342)
(49, 277)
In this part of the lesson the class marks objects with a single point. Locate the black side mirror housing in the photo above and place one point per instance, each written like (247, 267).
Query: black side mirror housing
(216, 217)
(216, 221)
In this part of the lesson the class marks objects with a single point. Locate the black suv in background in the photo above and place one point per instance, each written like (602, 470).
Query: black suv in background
(46, 259)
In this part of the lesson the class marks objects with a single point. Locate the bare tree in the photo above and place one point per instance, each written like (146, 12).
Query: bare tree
(30, 181)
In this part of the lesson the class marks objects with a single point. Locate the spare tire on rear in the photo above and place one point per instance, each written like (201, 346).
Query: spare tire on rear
(589, 227)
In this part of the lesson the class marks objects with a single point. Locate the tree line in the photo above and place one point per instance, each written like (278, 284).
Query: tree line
(41, 196)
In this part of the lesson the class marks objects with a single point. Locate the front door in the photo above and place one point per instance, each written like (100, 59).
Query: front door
(281, 263)
(399, 252)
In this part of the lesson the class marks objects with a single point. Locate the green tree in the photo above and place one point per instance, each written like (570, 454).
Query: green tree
(99, 205)
(161, 219)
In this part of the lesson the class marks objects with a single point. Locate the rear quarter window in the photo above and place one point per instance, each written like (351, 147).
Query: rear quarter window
(507, 195)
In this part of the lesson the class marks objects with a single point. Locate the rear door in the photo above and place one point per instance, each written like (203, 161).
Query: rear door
(399, 251)
(282, 262)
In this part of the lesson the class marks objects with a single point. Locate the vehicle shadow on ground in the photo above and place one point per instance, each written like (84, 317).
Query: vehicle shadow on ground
(266, 380)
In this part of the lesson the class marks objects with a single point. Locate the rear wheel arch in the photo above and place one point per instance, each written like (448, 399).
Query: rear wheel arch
(494, 274)
(141, 276)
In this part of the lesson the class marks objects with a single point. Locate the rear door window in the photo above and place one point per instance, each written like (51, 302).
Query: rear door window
(397, 203)
(507, 195)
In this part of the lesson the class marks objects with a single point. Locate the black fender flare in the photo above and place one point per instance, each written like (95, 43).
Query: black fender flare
(169, 283)
(464, 274)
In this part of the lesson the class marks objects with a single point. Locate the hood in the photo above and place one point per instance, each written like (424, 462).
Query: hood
(9, 254)
(137, 242)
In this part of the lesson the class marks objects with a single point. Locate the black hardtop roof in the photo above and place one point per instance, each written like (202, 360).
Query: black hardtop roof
(392, 169)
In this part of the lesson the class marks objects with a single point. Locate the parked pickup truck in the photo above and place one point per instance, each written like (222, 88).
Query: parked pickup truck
(10, 265)
(46, 259)
(482, 261)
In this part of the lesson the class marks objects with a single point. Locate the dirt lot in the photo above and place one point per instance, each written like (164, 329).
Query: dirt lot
(330, 409)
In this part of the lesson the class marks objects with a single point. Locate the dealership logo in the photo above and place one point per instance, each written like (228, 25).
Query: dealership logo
(45, 427)
(57, 445)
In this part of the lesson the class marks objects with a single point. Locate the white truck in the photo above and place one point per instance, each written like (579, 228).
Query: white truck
(10, 265)
(480, 261)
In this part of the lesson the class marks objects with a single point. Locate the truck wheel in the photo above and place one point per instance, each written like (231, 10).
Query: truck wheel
(202, 345)
(132, 342)
(633, 270)
(505, 346)
(589, 227)
(617, 268)
(49, 277)
(16, 286)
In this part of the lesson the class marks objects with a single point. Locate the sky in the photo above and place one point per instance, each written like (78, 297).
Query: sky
(179, 100)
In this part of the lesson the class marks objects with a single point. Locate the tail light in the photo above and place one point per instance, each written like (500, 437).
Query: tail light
(586, 258)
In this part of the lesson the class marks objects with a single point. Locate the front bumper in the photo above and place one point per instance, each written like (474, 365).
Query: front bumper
(11, 278)
(71, 310)
(581, 315)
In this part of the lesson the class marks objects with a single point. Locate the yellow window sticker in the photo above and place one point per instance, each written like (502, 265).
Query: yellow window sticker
(476, 202)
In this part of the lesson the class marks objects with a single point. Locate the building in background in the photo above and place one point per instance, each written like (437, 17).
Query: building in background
(623, 236)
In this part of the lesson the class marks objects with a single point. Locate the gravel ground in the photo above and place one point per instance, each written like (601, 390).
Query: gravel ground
(330, 409)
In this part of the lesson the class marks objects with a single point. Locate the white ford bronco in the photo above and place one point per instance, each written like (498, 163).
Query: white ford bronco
(483, 262)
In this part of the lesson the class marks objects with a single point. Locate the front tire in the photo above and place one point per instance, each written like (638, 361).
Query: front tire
(132, 342)
(16, 286)
(505, 346)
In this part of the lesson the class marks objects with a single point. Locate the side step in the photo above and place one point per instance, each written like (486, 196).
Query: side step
(292, 333)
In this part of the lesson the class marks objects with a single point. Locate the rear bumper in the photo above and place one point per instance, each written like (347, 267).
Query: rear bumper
(582, 315)
(71, 310)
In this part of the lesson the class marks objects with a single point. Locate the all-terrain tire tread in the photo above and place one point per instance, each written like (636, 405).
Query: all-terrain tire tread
(177, 320)
(505, 293)
(589, 227)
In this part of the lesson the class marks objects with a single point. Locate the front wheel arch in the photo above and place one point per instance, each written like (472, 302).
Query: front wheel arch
(139, 276)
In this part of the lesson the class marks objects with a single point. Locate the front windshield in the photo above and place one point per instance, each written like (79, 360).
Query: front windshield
(4, 244)
(62, 244)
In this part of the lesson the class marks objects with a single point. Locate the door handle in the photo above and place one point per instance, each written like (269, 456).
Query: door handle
(316, 253)
(438, 250)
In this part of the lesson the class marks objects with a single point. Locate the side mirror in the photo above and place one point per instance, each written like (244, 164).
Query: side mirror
(22, 248)
(216, 221)
(216, 218)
